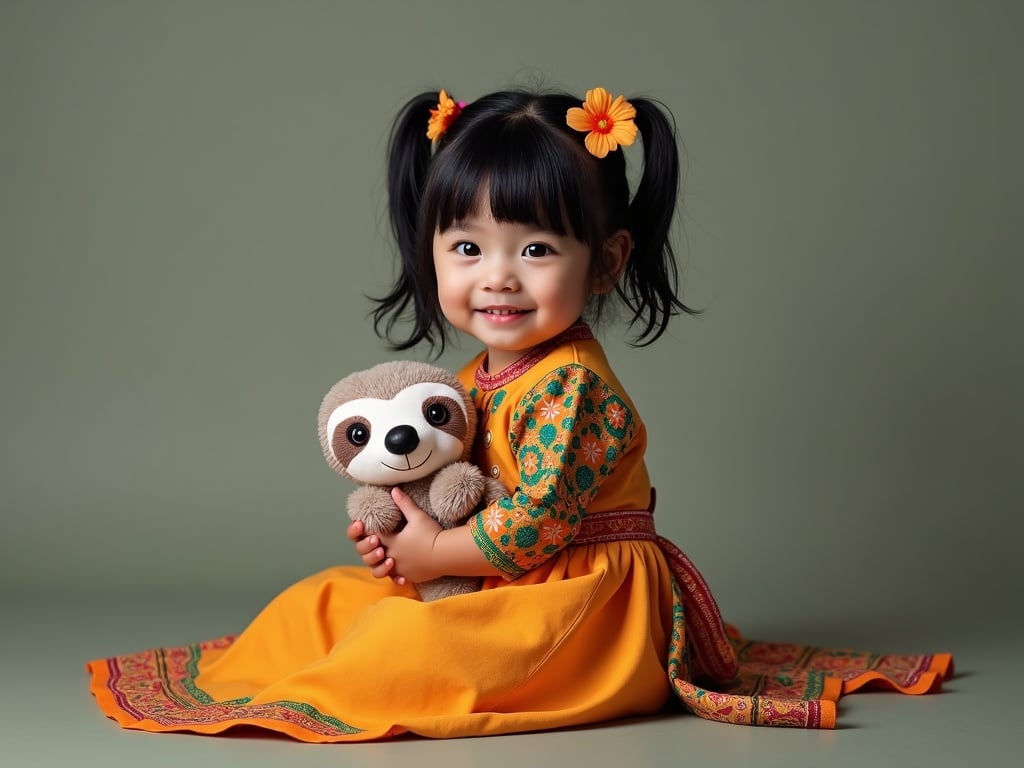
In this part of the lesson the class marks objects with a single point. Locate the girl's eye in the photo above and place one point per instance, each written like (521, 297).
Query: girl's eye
(467, 249)
(536, 250)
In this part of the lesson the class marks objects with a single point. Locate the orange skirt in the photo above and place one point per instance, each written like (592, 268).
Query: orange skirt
(603, 630)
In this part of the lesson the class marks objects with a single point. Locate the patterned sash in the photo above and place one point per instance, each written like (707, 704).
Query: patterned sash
(715, 657)
(757, 683)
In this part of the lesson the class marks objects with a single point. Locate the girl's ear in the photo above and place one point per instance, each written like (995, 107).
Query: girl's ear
(617, 249)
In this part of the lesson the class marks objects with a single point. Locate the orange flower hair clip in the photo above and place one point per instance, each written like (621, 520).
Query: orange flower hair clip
(443, 116)
(607, 123)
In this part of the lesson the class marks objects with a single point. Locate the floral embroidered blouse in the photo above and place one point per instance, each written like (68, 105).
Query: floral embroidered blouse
(558, 430)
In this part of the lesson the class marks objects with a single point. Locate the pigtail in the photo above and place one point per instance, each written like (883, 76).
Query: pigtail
(409, 152)
(650, 285)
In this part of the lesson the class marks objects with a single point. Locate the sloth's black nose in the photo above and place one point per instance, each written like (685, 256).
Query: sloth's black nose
(401, 440)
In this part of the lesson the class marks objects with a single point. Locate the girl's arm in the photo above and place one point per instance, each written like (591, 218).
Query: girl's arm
(569, 434)
(423, 550)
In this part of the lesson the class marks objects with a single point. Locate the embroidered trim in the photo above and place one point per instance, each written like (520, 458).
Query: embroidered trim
(487, 382)
(159, 685)
(716, 657)
(494, 555)
(601, 527)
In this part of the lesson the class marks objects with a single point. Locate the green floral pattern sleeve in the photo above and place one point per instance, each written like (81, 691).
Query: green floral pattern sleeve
(567, 434)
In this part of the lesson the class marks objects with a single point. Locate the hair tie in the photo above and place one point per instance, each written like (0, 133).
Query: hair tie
(443, 115)
(608, 123)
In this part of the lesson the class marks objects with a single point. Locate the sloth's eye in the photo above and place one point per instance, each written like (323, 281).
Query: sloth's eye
(358, 434)
(437, 414)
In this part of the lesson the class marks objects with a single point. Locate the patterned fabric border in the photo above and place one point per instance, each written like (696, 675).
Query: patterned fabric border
(759, 683)
(486, 381)
(715, 654)
(756, 683)
(159, 685)
(781, 669)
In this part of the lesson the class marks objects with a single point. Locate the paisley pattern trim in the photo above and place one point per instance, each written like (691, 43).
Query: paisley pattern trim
(159, 685)
(486, 381)
(756, 683)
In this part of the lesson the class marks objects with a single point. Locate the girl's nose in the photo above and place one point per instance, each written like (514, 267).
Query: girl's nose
(499, 275)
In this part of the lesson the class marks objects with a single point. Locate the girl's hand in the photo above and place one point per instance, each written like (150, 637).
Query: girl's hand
(410, 550)
(370, 551)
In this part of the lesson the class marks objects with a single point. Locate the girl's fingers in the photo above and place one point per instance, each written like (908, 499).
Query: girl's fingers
(372, 553)
(405, 503)
(356, 530)
(367, 545)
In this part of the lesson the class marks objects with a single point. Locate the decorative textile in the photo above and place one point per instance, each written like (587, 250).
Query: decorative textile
(614, 621)
(559, 431)
(774, 684)
(761, 683)
(158, 686)
(568, 434)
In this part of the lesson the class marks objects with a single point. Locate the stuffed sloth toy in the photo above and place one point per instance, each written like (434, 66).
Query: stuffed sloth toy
(412, 425)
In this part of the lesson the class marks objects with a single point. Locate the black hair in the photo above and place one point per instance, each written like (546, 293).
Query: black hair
(538, 172)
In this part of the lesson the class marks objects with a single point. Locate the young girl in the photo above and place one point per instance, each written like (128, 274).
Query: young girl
(515, 221)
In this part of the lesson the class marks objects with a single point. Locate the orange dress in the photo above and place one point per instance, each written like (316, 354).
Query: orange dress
(595, 616)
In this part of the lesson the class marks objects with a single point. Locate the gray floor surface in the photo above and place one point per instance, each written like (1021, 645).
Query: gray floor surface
(49, 718)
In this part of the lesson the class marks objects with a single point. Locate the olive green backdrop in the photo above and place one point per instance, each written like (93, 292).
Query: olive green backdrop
(192, 209)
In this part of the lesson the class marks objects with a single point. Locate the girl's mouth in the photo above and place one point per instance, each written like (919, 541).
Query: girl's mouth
(503, 314)
(503, 311)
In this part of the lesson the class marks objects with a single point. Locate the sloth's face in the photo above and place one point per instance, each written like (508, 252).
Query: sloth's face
(389, 442)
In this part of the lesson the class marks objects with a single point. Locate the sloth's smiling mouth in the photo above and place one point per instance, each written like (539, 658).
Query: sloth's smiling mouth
(408, 465)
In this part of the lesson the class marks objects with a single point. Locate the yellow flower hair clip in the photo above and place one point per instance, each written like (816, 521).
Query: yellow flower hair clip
(608, 123)
(443, 115)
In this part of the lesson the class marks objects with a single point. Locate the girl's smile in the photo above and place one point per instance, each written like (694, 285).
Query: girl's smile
(510, 285)
(503, 314)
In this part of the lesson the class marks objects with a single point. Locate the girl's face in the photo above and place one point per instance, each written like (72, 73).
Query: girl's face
(511, 286)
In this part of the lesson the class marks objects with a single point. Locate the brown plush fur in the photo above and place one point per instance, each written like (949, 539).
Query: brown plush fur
(449, 495)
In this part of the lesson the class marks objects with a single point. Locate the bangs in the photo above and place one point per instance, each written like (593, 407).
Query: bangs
(532, 175)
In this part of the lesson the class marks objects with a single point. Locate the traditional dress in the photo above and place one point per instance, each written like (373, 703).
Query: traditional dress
(595, 616)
